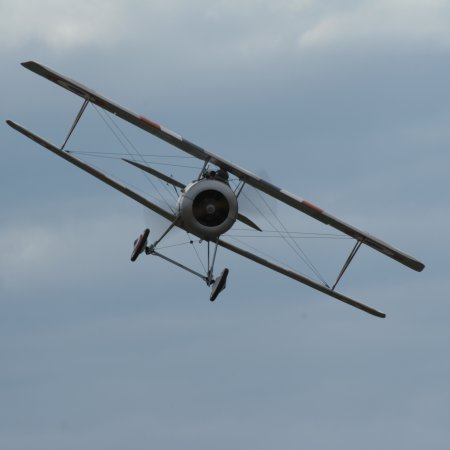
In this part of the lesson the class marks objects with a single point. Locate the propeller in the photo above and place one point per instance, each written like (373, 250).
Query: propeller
(210, 208)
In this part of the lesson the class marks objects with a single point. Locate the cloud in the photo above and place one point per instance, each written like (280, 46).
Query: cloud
(247, 29)
(383, 22)
(63, 250)
(59, 24)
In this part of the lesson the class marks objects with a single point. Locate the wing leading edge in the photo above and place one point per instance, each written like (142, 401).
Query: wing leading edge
(253, 180)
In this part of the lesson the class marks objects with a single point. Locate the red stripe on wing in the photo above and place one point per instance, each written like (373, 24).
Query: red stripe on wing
(314, 207)
(153, 124)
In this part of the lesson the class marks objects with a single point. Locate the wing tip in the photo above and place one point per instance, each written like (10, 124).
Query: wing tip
(36, 67)
(370, 310)
(28, 64)
(412, 263)
(420, 267)
(13, 125)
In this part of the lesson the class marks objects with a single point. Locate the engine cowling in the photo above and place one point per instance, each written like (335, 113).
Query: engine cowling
(208, 208)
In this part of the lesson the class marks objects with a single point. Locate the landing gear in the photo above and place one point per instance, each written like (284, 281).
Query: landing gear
(140, 244)
(217, 284)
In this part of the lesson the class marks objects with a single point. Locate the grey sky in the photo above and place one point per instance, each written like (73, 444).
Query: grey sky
(345, 104)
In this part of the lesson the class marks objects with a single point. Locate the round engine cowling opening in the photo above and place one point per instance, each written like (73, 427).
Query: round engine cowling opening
(208, 208)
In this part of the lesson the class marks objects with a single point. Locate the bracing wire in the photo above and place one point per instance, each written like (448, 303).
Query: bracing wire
(297, 234)
(119, 155)
(176, 245)
(296, 244)
(262, 236)
(142, 159)
(147, 155)
(116, 135)
(290, 242)
(196, 252)
(267, 255)
(121, 180)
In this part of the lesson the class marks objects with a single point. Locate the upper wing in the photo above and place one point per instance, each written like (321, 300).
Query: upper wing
(250, 178)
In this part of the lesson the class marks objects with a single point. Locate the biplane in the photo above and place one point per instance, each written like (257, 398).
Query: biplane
(209, 206)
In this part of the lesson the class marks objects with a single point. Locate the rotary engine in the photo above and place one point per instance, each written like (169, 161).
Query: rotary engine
(208, 208)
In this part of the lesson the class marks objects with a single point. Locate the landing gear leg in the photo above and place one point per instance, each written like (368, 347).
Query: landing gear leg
(218, 284)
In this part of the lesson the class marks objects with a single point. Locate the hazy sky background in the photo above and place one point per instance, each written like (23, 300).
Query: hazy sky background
(346, 104)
